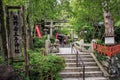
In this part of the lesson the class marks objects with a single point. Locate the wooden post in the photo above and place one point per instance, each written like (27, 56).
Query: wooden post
(25, 47)
(30, 41)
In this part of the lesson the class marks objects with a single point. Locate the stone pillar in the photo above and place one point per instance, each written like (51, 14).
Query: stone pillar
(93, 41)
(81, 44)
(72, 34)
(51, 30)
(47, 45)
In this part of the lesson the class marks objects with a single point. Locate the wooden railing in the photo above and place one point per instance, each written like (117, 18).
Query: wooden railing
(107, 50)
(83, 46)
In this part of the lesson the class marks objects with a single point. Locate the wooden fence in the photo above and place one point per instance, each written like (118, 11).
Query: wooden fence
(107, 50)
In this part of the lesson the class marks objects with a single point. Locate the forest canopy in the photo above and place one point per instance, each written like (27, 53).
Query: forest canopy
(81, 14)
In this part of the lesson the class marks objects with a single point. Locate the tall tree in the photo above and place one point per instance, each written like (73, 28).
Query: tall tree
(3, 31)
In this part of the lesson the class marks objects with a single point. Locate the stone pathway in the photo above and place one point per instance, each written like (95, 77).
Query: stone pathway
(64, 50)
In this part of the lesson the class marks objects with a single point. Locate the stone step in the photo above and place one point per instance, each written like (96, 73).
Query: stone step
(74, 56)
(80, 74)
(83, 59)
(86, 64)
(84, 53)
(85, 56)
(77, 69)
(67, 54)
(88, 78)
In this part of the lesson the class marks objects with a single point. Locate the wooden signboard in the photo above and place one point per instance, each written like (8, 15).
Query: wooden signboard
(14, 25)
(15, 33)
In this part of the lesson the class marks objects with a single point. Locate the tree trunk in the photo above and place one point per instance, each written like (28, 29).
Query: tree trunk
(30, 38)
(3, 32)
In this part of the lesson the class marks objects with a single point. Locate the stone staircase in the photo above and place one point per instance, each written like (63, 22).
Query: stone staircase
(71, 72)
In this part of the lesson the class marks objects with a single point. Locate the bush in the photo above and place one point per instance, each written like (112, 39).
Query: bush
(45, 67)
(69, 41)
(100, 42)
(100, 57)
(52, 39)
(39, 42)
(1, 59)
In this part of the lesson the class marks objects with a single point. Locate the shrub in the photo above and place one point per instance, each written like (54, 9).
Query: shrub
(52, 39)
(100, 56)
(1, 59)
(45, 67)
(39, 42)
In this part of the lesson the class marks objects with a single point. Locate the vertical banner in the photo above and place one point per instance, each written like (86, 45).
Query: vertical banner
(56, 36)
(37, 30)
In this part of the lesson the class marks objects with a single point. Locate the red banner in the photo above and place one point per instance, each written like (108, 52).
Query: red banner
(38, 31)
(56, 36)
(107, 50)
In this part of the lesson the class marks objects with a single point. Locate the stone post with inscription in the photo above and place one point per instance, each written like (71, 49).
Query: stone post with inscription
(15, 38)
(47, 44)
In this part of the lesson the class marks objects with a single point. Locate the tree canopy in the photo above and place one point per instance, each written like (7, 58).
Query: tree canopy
(82, 14)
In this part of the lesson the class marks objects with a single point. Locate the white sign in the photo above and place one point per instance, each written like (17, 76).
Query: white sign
(109, 40)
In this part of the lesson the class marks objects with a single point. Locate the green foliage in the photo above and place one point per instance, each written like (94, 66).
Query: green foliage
(69, 41)
(47, 9)
(99, 41)
(1, 57)
(1, 60)
(85, 12)
(100, 57)
(52, 39)
(14, 2)
(19, 65)
(39, 42)
(65, 31)
(43, 67)
(80, 13)
(117, 34)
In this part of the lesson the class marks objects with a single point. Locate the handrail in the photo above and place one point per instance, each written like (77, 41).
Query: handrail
(78, 60)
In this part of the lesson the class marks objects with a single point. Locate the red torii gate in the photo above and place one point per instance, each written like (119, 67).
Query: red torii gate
(106, 50)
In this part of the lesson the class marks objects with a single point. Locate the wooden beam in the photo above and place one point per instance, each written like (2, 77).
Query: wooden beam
(13, 7)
